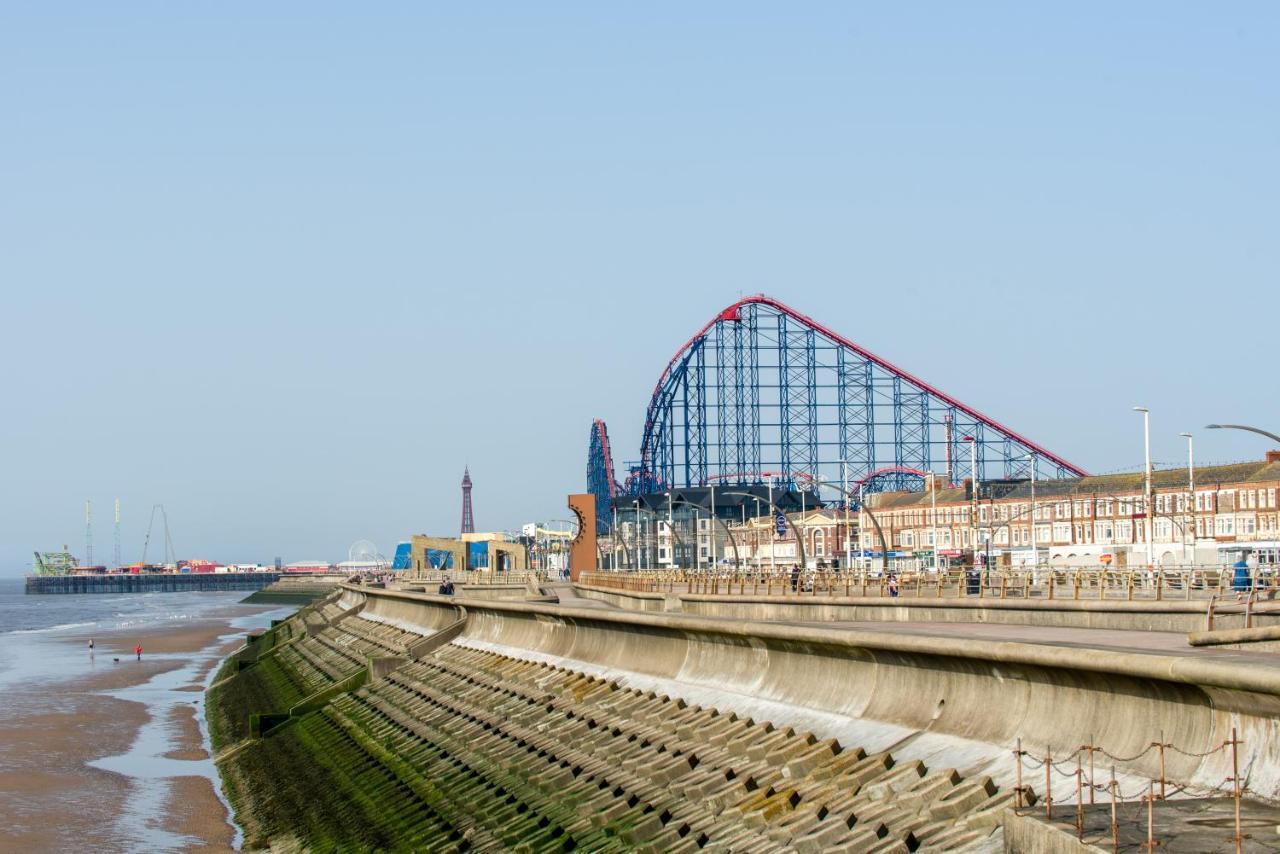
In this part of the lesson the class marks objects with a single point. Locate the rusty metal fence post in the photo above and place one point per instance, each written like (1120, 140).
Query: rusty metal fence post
(1079, 799)
(1235, 780)
(1017, 785)
(1115, 825)
(1048, 785)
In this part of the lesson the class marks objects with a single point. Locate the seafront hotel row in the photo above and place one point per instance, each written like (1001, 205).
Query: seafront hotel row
(1088, 522)
(1229, 509)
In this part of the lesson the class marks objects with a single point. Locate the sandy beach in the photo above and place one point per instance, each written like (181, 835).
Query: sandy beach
(114, 758)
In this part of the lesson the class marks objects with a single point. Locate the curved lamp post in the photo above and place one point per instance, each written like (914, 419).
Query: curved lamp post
(1272, 436)
(732, 542)
(862, 505)
(774, 509)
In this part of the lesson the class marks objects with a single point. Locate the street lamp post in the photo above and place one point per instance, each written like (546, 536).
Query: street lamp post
(712, 527)
(844, 488)
(973, 494)
(1146, 443)
(636, 551)
(671, 534)
(1035, 551)
(1188, 548)
(773, 531)
(756, 532)
(1272, 436)
(933, 517)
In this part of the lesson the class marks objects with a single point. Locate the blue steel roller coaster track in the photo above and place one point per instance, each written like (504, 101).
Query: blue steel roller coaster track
(763, 387)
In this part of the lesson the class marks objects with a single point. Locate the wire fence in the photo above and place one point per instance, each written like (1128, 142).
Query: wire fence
(1080, 765)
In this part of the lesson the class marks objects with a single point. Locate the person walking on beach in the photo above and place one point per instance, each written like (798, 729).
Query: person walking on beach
(91, 646)
(138, 651)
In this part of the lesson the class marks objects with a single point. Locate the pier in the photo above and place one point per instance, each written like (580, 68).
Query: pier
(151, 582)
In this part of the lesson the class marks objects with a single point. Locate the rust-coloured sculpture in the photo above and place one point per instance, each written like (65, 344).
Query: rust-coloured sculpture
(582, 551)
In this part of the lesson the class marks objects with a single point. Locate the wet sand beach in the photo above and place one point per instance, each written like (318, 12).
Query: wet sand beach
(102, 755)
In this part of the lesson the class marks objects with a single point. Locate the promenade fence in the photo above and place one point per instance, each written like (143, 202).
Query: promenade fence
(1045, 583)
(475, 577)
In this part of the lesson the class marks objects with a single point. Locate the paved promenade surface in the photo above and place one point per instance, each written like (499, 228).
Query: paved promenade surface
(1152, 643)
(1139, 642)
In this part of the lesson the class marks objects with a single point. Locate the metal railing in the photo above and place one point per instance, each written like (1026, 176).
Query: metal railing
(474, 576)
(1079, 766)
(1216, 585)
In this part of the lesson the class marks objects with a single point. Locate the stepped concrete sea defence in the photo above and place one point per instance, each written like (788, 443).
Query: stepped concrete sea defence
(486, 724)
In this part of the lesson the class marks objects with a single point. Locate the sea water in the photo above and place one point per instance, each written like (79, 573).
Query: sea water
(44, 641)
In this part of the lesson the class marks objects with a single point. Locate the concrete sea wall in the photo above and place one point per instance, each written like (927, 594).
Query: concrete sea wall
(1053, 697)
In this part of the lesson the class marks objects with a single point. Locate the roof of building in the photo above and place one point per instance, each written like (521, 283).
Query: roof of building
(1129, 482)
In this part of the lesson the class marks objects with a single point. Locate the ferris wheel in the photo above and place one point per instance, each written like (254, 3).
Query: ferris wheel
(364, 551)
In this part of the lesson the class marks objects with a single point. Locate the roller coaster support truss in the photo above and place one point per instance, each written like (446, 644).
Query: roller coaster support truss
(762, 387)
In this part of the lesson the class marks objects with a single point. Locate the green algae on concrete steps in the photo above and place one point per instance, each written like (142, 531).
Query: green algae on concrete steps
(473, 750)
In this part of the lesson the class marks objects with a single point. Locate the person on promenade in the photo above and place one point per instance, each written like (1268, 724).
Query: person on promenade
(795, 577)
(1241, 581)
(138, 651)
(893, 584)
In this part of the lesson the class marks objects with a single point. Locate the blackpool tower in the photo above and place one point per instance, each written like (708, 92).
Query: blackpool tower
(468, 520)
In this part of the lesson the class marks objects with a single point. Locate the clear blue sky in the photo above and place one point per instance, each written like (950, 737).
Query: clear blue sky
(286, 268)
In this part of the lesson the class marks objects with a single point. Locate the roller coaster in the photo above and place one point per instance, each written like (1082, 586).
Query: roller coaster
(762, 388)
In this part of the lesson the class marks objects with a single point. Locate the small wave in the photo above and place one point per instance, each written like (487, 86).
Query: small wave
(58, 628)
